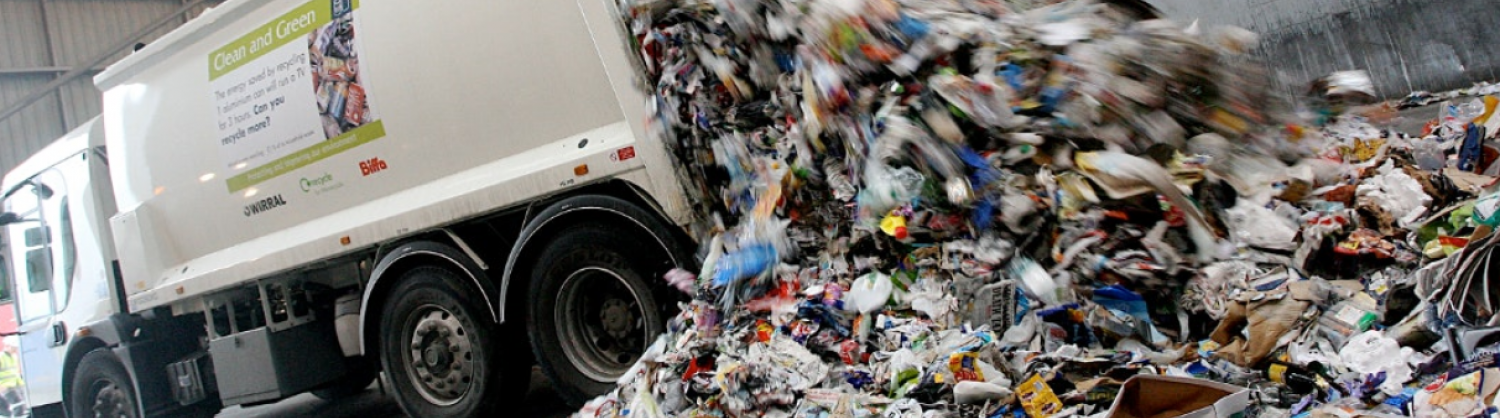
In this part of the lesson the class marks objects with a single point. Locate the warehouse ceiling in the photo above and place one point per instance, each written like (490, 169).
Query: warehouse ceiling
(51, 49)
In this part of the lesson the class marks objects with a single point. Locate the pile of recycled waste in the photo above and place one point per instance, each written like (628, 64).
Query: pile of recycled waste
(1424, 98)
(931, 208)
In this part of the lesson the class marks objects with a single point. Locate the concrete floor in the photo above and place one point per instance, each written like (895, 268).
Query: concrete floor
(541, 402)
(1411, 120)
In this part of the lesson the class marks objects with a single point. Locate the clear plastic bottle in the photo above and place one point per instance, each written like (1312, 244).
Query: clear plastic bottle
(1429, 154)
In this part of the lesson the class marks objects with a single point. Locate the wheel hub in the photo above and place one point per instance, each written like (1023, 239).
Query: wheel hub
(110, 402)
(617, 317)
(442, 365)
(435, 356)
(600, 317)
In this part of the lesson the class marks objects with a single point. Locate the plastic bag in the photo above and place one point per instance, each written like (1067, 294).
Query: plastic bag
(1371, 352)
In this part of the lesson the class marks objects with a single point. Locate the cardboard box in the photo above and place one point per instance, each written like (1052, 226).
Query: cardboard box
(1151, 396)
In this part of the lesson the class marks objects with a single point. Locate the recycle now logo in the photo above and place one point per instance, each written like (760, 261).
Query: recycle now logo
(310, 184)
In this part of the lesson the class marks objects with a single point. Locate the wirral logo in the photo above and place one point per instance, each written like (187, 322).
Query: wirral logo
(264, 205)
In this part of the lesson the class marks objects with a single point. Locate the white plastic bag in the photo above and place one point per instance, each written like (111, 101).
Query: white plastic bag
(1371, 352)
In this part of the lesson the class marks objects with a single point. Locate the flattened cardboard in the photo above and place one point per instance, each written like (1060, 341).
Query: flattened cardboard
(1151, 396)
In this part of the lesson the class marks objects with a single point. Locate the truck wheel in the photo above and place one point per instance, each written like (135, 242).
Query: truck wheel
(101, 388)
(591, 311)
(359, 376)
(441, 356)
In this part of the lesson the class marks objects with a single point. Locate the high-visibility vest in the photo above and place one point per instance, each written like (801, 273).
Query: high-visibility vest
(10, 371)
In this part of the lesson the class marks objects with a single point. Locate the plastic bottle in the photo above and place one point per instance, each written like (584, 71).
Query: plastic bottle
(1429, 154)
(894, 225)
(1301, 380)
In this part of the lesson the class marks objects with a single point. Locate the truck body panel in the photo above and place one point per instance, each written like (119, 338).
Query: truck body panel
(226, 168)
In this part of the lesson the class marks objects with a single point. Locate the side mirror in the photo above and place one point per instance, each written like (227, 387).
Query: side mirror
(8, 218)
(42, 190)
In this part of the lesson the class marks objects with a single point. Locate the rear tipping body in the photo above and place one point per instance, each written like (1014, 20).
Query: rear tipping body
(227, 167)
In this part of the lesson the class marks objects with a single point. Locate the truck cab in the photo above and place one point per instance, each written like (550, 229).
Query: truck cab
(57, 252)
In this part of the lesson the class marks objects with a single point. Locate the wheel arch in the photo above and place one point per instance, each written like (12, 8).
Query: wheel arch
(76, 351)
(575, 209)
(430, 251)
(142, 344)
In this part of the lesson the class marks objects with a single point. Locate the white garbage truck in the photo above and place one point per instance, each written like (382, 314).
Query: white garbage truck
(289, 196)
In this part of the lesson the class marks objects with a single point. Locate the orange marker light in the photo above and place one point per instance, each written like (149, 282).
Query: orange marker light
(345, 240)
(581, 170)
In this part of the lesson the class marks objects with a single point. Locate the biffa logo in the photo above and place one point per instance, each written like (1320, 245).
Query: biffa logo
(374, 165)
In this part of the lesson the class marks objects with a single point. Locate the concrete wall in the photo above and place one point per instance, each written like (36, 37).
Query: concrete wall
(1406, 45)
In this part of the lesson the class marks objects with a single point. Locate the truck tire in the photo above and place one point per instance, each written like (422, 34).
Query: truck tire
(101, 388)
(359, 376)
(591, 312)
(441, 356)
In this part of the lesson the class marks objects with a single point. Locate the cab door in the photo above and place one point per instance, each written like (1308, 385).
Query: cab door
(42, 255)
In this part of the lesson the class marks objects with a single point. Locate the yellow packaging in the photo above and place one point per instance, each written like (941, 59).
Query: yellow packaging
(1366, 149)
(1278, 373)
(965, 367)
(894, 225)
(1037, 398)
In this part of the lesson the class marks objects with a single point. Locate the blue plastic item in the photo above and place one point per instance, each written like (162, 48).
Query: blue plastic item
(747, 262)
(1472, 149)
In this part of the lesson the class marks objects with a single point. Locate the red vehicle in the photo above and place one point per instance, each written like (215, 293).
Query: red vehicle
(7, 315)
(8, 322)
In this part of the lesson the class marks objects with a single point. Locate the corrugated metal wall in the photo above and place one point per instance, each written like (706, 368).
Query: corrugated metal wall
(1406, 45)
(42, 39)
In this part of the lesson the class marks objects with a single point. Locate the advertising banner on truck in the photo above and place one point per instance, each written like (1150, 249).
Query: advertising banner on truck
(289, 93)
